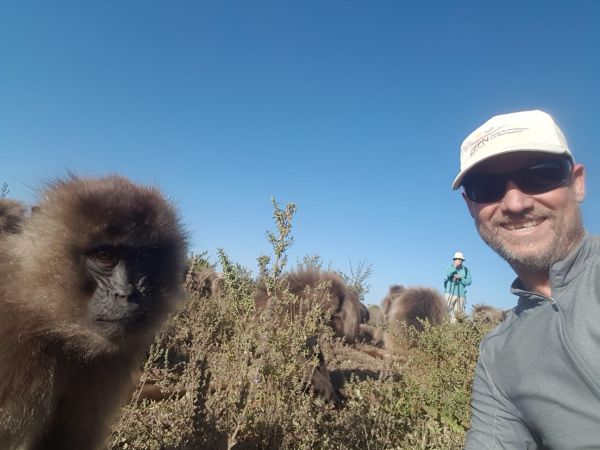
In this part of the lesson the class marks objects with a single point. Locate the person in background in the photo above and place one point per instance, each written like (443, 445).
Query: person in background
(457, 279)
(537, 380)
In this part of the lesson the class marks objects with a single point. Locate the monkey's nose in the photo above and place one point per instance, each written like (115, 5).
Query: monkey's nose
(124, 293)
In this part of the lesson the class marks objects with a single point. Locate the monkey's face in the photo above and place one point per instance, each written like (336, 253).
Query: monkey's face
(128, 286)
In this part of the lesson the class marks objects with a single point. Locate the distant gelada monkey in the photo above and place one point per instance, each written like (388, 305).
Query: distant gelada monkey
(83, 288)
(328, 289)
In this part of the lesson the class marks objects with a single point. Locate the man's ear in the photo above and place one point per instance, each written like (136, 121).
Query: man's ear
(578, 182)
(470, 205)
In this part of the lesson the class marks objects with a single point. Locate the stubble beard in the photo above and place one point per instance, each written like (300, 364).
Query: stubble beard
(563, 239)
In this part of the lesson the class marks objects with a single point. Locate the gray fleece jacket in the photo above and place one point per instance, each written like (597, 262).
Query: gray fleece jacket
(537, 382)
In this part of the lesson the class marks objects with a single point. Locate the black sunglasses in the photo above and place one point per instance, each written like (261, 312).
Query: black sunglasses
(535, 179)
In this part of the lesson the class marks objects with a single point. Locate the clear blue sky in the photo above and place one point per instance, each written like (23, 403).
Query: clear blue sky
(353, 110)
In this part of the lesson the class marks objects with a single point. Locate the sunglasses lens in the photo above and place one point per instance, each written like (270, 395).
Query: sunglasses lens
(544, 177)
(535, 179)
(484, 189)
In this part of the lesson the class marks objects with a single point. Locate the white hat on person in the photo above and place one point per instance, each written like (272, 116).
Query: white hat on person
(531, 131)
(459, 255)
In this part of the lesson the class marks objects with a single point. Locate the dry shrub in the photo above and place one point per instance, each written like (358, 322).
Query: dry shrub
(375, 316)
(427, 407)
(327, 290)
(245, 372)
(245, 383)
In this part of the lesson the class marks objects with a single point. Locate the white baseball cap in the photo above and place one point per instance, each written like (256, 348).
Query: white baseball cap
(531, 131)
(459, 255)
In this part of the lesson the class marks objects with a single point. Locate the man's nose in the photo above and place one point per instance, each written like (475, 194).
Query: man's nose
(515, 201)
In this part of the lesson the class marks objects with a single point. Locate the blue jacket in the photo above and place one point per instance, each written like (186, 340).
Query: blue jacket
(457, 287)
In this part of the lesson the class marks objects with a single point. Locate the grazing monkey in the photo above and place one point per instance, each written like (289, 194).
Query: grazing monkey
(83, 288)
(205, 282)
(327, 289)
(413, 305)
(12, 216)
(372, 331)
(393, 293)
(488, 314)
(405, 306)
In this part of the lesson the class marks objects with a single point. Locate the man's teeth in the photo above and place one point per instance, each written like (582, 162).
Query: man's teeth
(521, 225)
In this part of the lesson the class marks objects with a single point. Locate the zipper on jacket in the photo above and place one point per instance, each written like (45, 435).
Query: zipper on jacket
(553, 303)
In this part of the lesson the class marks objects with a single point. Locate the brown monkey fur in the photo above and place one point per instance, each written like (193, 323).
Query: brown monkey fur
(320, 380)
(413, 305)
(488, 314)
(63, 374)
(206, 282)
(364, 313)
(405, 306)
(328, 290)
(394, 291)
(372, 331)
(12, 216)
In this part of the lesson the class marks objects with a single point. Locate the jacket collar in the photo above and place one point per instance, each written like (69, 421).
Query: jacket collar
(561, 273)
(565, 271)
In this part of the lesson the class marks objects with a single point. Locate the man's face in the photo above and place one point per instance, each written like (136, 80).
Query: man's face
(530, 231)
(457, 263)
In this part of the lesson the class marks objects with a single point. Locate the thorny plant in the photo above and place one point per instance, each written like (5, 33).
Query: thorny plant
(282, 240)
(199, 261)
(358, 278)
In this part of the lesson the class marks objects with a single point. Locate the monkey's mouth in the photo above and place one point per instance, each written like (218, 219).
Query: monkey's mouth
(125, 321)
(126, 317)
(119, 326)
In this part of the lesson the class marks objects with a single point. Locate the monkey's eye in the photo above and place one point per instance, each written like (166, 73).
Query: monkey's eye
(106, 256)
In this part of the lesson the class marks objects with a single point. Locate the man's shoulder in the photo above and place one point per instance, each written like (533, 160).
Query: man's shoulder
(590, 242)
(500, 335)
(501, 331)
(595, 239)
(514, 330)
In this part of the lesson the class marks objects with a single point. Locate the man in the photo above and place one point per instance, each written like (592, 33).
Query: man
(537, 382)
(457, 279)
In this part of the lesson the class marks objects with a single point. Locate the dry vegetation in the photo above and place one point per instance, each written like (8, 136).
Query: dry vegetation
(234, 377)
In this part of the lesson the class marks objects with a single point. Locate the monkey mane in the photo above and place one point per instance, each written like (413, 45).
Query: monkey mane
(487, 314)
(63, 375)
(111, 208)
(416, 304)
(394, 291)
(205, 283)
(73, 215)
(327, 289)
(12, 216)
